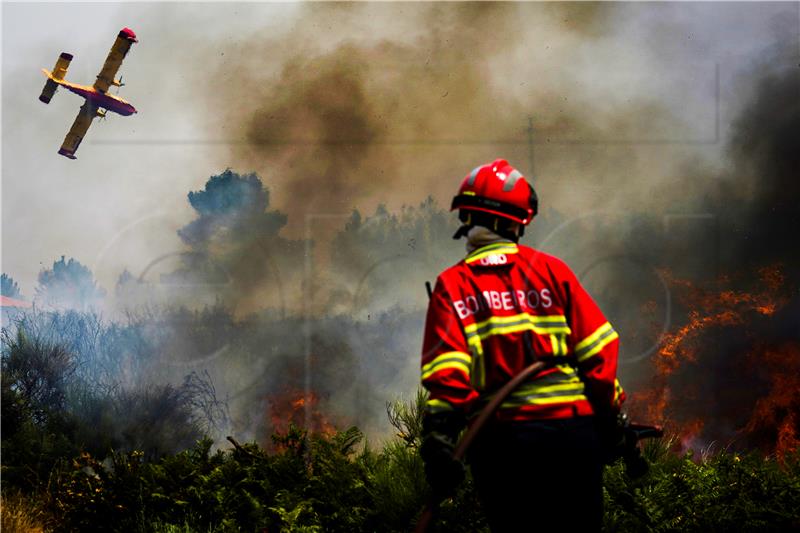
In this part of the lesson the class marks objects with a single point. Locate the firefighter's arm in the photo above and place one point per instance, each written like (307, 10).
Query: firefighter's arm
(446, 366)
(446, 359)
(595, 345)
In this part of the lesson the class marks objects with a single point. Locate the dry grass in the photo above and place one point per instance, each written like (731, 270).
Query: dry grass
(19, 513)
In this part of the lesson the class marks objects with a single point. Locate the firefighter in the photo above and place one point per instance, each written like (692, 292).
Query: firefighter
(538, 464)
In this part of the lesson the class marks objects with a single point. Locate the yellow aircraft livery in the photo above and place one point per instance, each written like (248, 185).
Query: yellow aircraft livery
(98, 99)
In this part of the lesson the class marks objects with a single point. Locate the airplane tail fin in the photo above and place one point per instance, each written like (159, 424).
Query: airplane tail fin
(59, 71)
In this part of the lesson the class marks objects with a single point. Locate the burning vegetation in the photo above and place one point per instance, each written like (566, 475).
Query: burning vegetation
(294, 407)
(723, 377)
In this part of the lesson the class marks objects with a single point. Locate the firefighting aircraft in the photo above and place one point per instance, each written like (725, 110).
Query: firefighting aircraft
(98, 99)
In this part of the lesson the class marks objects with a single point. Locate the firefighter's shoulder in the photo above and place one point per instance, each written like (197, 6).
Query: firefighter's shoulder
(448, 275)
(456, 271)
(543, 260)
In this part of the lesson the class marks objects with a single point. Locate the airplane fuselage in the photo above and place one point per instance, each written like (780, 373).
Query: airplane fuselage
(98, 99)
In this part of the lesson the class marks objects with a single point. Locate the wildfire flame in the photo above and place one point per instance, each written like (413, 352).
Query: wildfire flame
(699, 357)
(295, 407)
(775, 416)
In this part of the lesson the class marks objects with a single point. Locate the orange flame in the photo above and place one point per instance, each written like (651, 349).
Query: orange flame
(295, 407)
(775, 415)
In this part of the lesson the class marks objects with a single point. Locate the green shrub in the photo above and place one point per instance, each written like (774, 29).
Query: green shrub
(723, 491)
(85, 470)
(334, 483)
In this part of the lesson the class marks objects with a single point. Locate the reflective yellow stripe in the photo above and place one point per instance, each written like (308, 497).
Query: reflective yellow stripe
(567, 369)
(555, 345)
(491, 247)
(617, 391)
(496, 248)
(544, 400)
(558, 342)
(573, 386)
(478, 375)
(461, 356)
(539, 319)
(595, 342)
(556, 387)
(593, 337)
(459, 360)
(475, 343)
(501, 325)
(437, 406)
(562, 386)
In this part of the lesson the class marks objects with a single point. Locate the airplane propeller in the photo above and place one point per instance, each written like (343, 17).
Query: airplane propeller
(119, 84)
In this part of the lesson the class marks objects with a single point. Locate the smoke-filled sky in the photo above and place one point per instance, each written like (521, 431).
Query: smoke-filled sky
(340, 106)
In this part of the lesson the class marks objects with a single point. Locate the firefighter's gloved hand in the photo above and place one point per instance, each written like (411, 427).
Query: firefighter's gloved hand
(439, 436)
(618, 441)
(636, 466)
(611, 429)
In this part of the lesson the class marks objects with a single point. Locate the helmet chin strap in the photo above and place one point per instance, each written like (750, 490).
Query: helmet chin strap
(507, 233)
(480, 236)
(462, 231)
(466, 218)
(506, 229)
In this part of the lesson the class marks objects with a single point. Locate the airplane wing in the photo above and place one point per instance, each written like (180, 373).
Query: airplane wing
(78, 130)
(105, 79)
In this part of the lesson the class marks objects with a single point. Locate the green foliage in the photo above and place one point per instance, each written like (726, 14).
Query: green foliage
(36, 432)
(315, 482)
(724, 491)
(230, 202)
(311, 483)
(103, 457)
(406, 417)
(56, 403)
(68, 284)
(9, 287)
(229, 193)
(234, 241)
(383, 259)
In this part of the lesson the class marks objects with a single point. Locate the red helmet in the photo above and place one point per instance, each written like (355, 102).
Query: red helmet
(498, 189)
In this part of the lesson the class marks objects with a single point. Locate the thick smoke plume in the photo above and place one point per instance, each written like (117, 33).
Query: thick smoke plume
(336, 121)
(765, 159)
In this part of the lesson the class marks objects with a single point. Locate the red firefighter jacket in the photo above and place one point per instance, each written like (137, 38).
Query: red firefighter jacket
(496, 312)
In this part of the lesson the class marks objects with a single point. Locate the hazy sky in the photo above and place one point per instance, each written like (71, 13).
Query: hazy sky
(112, 193)
(200, 71)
